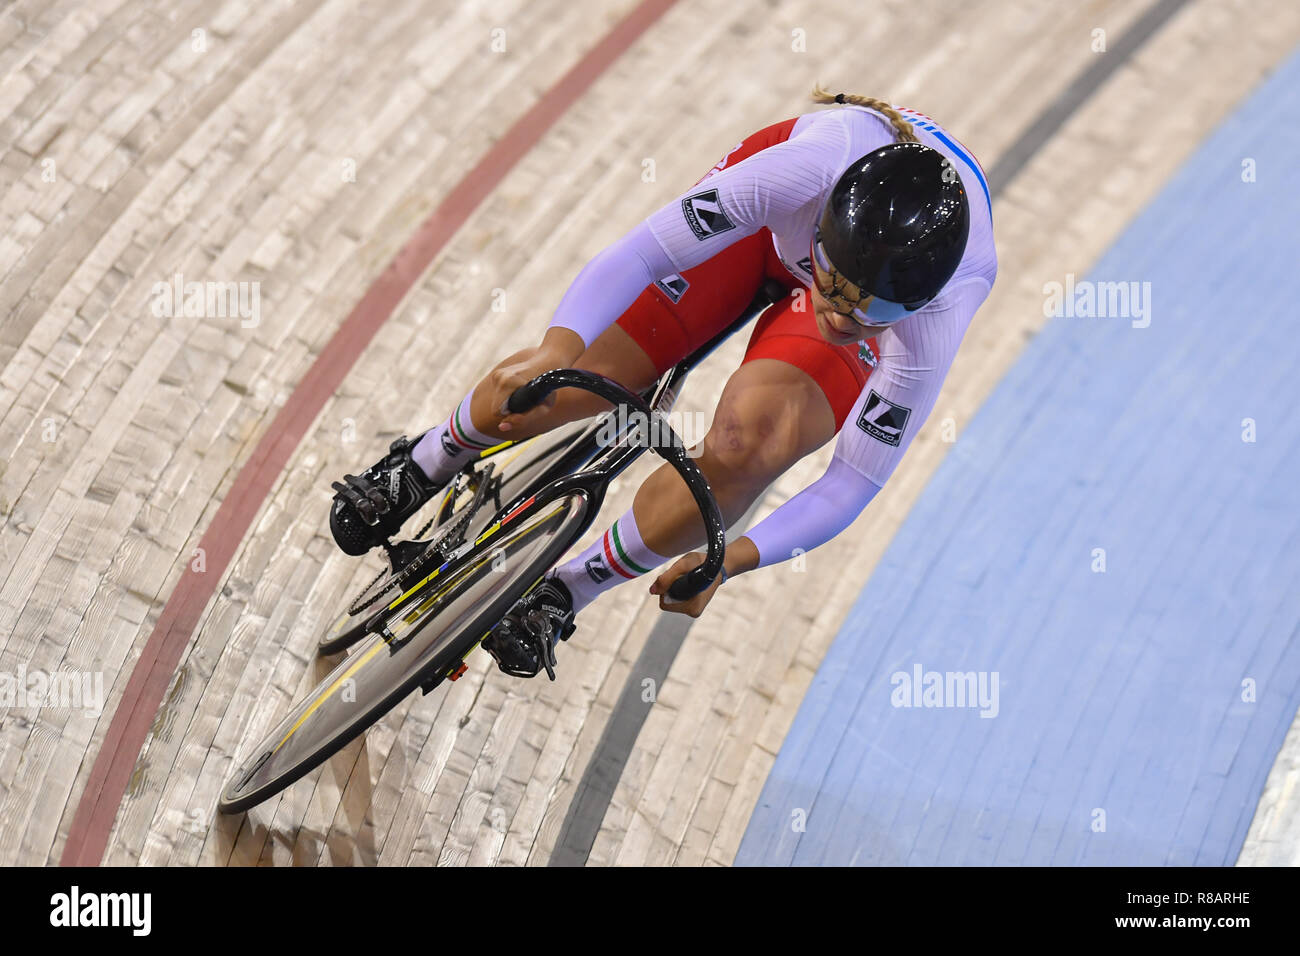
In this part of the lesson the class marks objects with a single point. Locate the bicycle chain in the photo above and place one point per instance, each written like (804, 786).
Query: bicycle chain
(433, 549)
(359, 607)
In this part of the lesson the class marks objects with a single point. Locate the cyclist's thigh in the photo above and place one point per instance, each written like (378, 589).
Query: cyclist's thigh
(785, 334)
(678, 314)
(668, 321)
(614, 354)
(653, 335)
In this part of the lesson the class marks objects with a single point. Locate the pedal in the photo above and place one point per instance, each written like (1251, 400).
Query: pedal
(359, 493)
(377, 499)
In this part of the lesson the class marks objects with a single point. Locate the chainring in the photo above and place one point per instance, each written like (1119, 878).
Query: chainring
(437, 549)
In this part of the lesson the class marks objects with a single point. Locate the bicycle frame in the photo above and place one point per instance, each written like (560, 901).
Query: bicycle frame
(584, 466)
(594, 479)
(585, 448)
(401, 655)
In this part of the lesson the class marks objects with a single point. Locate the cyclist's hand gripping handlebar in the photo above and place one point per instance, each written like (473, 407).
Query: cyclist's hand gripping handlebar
(663, 440)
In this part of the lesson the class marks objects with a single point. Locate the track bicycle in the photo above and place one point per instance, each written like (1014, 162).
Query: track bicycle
(500, 525)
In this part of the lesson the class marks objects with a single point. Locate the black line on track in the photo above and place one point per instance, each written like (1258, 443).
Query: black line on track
(1010, 163)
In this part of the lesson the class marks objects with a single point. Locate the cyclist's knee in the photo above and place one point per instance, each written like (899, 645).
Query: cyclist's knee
(748, 447)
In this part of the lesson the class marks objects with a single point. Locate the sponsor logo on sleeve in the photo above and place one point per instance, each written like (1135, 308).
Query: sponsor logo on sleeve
(801, 270)
(883, 420)
(673, 286)
(705, 215)
(449, 446)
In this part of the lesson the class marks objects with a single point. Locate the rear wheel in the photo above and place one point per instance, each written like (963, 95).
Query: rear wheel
(418, 640)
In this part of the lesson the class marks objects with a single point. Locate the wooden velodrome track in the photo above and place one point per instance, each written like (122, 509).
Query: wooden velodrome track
(135, 149)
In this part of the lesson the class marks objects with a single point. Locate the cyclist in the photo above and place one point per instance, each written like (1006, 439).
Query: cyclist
(863, 214)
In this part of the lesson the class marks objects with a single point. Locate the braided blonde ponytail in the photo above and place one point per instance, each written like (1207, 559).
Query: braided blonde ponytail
(902, 128)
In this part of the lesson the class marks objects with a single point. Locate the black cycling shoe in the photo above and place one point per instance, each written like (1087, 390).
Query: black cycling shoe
(369, 509)
(524, 642)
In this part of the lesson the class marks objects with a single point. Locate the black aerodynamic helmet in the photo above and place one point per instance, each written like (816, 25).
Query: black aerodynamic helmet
(895, 226)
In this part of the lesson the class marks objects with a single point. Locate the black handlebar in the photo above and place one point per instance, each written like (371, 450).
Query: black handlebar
(530, 394)
(670, 449)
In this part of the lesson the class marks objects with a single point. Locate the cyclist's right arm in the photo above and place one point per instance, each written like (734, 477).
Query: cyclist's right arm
(771, 188)
(768, 189)
(608, 285)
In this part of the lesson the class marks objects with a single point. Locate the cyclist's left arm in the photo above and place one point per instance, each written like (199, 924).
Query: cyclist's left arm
(897, 399)
(769, 188)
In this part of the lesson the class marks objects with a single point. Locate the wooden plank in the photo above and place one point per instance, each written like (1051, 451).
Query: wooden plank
(171, 161)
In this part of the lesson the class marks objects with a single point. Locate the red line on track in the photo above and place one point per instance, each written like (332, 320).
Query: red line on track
(97, 809)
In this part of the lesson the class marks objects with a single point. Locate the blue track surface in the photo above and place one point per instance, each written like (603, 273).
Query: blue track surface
(1120, 693)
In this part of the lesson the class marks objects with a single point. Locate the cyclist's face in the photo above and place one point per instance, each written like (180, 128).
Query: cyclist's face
(834, 312)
